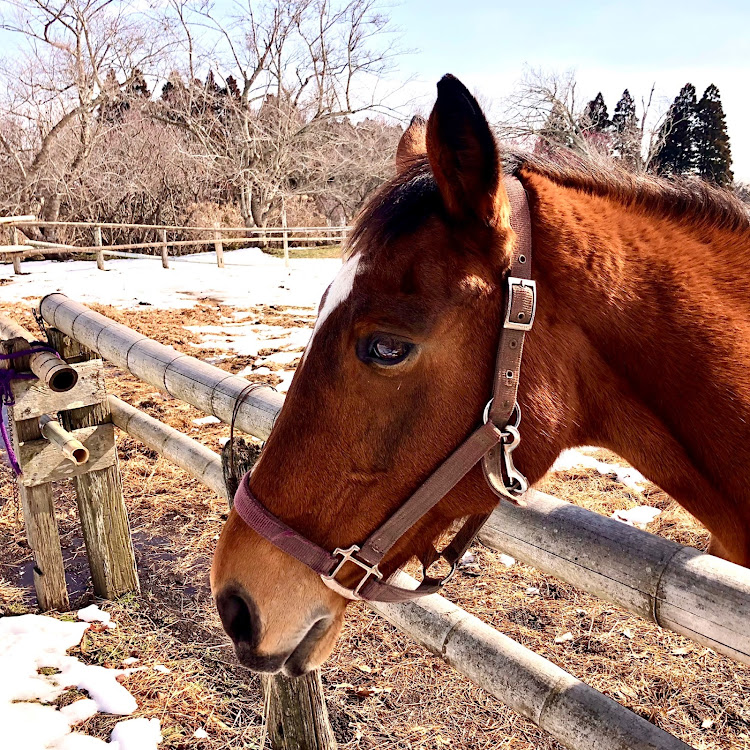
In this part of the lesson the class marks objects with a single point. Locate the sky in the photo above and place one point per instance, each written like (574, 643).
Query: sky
(609, 46)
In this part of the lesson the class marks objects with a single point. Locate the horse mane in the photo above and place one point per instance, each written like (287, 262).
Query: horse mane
(401, 204)
(707, 205)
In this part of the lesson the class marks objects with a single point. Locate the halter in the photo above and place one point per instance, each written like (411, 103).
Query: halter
(492, 443)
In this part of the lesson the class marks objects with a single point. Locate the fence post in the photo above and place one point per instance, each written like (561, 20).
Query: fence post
(297, 717)
(99, 253)
(285, 235)
(218, 247)
(164, 249)
(16, 256)
(101, 507)
(38, 504)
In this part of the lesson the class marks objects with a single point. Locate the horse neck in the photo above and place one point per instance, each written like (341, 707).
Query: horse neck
(643, 334)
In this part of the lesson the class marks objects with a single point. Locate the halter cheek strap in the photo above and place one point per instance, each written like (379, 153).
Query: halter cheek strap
(492, 443)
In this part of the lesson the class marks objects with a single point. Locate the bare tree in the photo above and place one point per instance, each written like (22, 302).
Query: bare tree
(57, 83)
(300, 65)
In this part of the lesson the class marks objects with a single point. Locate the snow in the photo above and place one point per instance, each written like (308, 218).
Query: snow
(136, 734)
(201, 421)
(251, 277)
(640, 516)
(92, 613)
(30, 643)
(200, 734)
(572, 459)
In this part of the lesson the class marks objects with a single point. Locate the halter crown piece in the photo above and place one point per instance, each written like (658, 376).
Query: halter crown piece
(492, 443)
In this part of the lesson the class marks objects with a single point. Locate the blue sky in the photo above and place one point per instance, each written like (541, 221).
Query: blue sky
(609, 45)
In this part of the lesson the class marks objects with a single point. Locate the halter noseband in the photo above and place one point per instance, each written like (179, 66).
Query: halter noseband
(492, 443)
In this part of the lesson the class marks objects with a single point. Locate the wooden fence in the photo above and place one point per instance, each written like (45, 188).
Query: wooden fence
(689, 592)
(215, 236)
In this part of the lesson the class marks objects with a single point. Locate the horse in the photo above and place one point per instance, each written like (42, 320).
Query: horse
(640, 345)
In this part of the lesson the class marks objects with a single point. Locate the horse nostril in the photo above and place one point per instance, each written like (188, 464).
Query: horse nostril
(239, 615)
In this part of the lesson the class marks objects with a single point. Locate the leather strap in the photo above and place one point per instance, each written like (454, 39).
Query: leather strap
(484, 444)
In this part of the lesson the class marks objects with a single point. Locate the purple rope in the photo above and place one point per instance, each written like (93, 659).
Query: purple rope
(34, 349)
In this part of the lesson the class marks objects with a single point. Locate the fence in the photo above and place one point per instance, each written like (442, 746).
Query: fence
(217, 236)
(692, 593)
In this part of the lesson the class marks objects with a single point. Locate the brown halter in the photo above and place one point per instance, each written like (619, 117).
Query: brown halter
(492, 443)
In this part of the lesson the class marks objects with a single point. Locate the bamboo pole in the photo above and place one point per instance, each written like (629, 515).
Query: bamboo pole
(679, 588)
(164, 249)
(181, 450)
(208, 388)
(571, 711)
(99, 254)
(72, 448)
(54, 372)
(692, 593)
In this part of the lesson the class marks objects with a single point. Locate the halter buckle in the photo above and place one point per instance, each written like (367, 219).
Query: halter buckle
(347, 555)
(514, 284)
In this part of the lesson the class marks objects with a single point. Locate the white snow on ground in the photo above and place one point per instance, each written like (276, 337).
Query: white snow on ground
(251, 277)
(640, 516)
(136, 734)
(31, 643)
(572, 459)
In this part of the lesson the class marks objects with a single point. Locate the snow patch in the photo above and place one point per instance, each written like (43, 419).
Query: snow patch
(32, 643)
(136, 734)
(640, 516)
(206, 420)
(573, 459)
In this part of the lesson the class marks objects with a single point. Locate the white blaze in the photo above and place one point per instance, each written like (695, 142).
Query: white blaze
(338, 292)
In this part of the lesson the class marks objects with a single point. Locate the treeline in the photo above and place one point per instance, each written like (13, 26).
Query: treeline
(106, 115)
(690, 140)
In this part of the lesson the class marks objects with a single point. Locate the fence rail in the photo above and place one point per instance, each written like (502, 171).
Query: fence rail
(215, 237)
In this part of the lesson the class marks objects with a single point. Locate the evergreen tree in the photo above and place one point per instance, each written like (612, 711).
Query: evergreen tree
(595, 115)
(713, 156)
(626, 140)
(677, 153)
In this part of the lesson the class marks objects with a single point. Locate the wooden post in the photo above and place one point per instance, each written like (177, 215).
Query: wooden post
(101, 506)
(219, 248)
(16, 256)
(297, 717)
(39, 517)
(164, 249)
(285, 235)
(99, 253)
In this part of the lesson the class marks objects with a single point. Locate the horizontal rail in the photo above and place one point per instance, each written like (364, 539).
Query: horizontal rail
(533, 686)
(30, 221)
(210, 389)
(680, 588)
(188, 454)
(689, 592)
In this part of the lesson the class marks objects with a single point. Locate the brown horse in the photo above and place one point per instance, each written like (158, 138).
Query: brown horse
(641, 345)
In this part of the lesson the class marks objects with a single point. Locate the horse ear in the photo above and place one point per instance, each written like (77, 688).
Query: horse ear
(412, 145)
(463, 155)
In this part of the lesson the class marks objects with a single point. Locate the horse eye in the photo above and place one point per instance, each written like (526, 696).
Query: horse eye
(388, 350)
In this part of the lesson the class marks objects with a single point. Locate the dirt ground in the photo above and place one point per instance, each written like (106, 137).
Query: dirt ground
(383, 690)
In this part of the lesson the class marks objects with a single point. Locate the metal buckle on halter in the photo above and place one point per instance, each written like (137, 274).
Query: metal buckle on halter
(347, 555)
(514, 283)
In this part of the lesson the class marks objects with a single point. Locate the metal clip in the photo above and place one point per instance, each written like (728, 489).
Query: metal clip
(517, 483)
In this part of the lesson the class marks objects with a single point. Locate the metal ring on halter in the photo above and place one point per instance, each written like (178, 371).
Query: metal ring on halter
(516, 412)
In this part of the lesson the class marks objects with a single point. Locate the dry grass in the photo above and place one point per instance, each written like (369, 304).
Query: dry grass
(383, 690)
